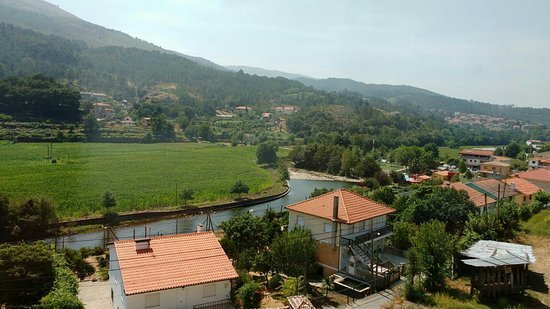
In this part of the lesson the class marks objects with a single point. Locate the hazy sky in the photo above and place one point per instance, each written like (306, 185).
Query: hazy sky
(492, 51)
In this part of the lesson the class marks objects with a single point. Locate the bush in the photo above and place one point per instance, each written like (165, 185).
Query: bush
(76, 262)
(250, 295)
(275, 282)
(65, 290)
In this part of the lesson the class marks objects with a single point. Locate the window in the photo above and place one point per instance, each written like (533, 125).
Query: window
(209, 290)
(328, 227)
(300, 221)
(152, 300)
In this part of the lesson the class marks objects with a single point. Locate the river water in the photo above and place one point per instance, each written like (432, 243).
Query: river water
(300, 190)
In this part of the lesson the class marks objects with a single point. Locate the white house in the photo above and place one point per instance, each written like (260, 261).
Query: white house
(176, 271)
(350, 230)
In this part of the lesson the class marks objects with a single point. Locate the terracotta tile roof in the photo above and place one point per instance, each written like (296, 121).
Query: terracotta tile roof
(352, 207)
(541, 159)
(476, 197)
(476, 152)
(523, 186)
(502, 158)
(172, 261)
(540, 174)
(495, 163)
(491, 187)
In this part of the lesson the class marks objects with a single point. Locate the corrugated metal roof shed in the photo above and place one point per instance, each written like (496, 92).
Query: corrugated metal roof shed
(488, 253)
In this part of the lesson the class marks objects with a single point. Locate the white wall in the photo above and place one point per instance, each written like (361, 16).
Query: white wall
(115, 281)
(183, 298)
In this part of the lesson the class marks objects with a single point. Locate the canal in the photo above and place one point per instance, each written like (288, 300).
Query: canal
(300, 190)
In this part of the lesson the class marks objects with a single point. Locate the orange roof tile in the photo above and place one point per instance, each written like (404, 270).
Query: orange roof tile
(352, 207)
(476, 197)
(476, 152)
(172, 261)
(540, 174)
(523, 186)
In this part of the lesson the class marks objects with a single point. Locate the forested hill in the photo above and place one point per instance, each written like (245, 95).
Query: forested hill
(43, 17)
(125, 72)
(412, 97)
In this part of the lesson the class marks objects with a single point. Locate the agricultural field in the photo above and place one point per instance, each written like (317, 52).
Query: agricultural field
(452, 153)
(140, 176)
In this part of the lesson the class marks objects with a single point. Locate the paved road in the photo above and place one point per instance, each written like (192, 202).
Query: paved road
(95, 295)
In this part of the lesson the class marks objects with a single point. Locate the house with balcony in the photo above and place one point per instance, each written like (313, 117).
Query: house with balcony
(474, 157)
(175, 271)
(350, 230)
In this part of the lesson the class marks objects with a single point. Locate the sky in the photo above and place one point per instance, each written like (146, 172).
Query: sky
(490, 51)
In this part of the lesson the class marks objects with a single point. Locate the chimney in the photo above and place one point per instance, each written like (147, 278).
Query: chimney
(335, 208)
(200, 228)
(513, 187)
(143, 244)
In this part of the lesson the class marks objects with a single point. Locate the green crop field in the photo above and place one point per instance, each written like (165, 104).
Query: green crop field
(447, 152)
(141, 176)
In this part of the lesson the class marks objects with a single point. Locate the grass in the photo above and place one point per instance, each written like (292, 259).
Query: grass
(539, 224)
(390, 166)
(141, 176)
(447, 152)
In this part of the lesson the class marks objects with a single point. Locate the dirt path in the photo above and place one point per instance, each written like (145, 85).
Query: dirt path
(541, 250)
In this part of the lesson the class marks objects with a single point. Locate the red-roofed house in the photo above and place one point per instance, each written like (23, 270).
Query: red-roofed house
(474, 157)
(482, 201)
(349, 228)
(525, 189)
(176, 271)
(539, 177)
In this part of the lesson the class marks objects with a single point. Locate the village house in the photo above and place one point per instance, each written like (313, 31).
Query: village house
(443, 175)
(525, 189)
(127, 121)
(474, 157)
(103, 111)
(539, 160)
(350, 230)
(243, 109)
(146, 121)
(483, 202)
(495, 169)
(494, 189)
(175, 271)
(540, 177)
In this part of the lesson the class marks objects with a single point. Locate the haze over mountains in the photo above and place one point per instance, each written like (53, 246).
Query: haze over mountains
(47, 18)
(114, 70)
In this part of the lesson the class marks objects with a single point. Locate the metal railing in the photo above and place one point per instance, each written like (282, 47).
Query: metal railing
(220, 304)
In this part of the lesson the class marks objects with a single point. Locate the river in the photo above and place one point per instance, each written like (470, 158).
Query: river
(300, 190)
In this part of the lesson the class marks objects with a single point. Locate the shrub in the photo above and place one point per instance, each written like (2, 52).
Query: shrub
(275, 282)
(250, 295)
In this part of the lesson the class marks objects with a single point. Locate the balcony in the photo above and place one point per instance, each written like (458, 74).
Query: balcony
(366, 236)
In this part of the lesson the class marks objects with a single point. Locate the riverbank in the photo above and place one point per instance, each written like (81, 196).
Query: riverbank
(169, 213)
(298, 173)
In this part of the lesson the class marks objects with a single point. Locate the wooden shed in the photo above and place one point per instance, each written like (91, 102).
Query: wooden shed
(498, 268)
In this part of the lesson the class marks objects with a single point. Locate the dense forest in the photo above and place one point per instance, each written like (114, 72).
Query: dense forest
(39, 98)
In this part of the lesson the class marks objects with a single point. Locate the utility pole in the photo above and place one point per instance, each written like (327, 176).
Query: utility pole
(176, 195)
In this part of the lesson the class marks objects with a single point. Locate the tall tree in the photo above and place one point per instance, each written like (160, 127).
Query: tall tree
(294, 252)
(91, 127)
(432, 250)
(26, 272)
(266, 153)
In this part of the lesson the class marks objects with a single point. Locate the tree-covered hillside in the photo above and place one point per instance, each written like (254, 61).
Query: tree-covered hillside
(411, 98)
(46, 18)
(125, 72)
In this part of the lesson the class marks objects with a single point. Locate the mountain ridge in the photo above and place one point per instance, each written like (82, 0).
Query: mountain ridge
(47, 18)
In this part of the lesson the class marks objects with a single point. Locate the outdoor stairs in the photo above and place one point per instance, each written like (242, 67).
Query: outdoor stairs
(360, 254)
